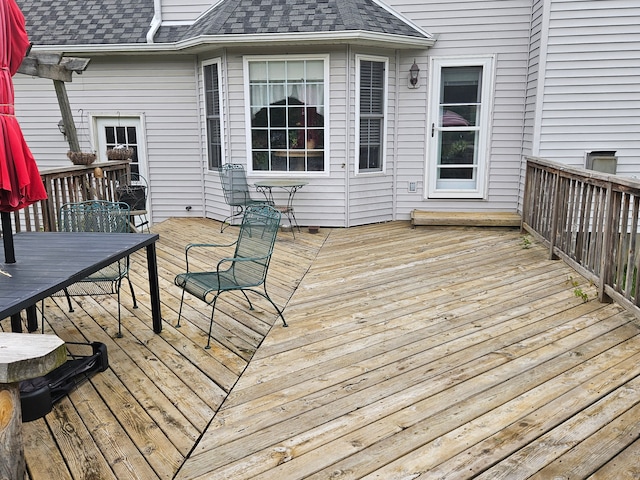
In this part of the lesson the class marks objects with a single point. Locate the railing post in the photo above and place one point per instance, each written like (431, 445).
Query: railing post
(555, 209)
(606, 252)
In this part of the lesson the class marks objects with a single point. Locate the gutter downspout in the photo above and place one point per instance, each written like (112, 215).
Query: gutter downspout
(156, 21)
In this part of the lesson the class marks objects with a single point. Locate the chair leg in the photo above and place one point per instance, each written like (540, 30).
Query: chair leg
(42, 314)
(66, 293)
(249, 301)
(180, 310)
(213, 311)
(266, 295)
(133, 294)
(119, 318)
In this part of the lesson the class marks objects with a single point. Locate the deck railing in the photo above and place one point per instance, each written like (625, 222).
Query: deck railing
(70, 184)
(590, 220)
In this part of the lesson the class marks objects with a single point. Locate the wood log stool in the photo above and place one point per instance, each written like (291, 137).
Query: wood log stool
(22, 357)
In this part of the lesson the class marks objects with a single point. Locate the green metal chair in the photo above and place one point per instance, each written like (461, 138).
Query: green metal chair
(236, 191)
(105, 217)
(243, 272)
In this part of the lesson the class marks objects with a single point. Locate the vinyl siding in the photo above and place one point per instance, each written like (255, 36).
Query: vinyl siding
(371, 195)
(182, 11)
(592, 85)
(567, 80)
(536, 45)
(167, 101)
(499, 28)
(322, 201)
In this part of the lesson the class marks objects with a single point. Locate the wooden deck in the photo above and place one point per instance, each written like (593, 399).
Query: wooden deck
(434, 352)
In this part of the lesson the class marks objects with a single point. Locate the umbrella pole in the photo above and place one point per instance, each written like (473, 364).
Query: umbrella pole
(7, 238)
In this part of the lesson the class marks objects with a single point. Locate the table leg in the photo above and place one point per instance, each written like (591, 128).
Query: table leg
(290, 211)
(16, 323)
(32, 318)
(154, 288)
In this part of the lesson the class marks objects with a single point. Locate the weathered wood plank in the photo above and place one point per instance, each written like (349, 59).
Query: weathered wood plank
(451, 349)
(473, 219)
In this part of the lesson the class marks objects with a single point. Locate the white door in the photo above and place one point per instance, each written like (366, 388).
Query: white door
(125, 131)
(459, 116)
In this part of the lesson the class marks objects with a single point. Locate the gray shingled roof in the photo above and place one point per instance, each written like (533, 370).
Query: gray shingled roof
(246, 17)
(111, 22)
(87, 22)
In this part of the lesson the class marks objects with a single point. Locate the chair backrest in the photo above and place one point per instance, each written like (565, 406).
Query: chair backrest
(132, 189)
(256, 239)
(94, 216)
(234, 184)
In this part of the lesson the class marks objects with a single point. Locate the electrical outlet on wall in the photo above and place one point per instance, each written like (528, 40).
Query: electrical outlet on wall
(412, 186)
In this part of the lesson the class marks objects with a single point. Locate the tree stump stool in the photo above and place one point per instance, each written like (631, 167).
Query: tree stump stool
(22, 357)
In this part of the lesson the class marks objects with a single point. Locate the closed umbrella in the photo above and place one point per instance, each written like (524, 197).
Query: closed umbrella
(20, 182)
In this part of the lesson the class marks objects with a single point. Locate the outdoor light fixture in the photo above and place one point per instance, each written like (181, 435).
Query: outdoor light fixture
(413, 75)
(62, 128)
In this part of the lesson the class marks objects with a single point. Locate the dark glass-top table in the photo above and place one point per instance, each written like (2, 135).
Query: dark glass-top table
(47, 262)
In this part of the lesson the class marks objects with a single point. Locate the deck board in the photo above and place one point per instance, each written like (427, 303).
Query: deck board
(438, 352)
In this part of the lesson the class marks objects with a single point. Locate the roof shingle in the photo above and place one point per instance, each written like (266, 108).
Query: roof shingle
(112, 22)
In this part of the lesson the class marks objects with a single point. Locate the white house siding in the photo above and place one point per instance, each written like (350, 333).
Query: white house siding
(591, 97)
(323, 200)
(499, 28)
(371, 194)
(112, 87)
(182, 11)
(537, 46)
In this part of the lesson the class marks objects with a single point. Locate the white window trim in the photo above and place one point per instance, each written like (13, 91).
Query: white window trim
(385, 113)
(487, 63)
(218, 62)
(96, 132)
(247, 115)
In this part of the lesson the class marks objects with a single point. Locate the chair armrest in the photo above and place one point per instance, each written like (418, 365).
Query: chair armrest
(203, 245)
(222, 261)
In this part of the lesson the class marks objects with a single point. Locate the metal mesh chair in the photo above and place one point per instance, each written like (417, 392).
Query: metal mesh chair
(243, 272)
(133, 189)
(236, 191)
(105, 217)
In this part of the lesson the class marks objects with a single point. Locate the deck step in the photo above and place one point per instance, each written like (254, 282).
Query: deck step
(466, 219)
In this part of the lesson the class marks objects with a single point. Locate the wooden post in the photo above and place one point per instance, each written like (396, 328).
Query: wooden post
(555, 211)
(608, 238)
(23, 357)
(59, 69)
(67, 116)
(11, 448)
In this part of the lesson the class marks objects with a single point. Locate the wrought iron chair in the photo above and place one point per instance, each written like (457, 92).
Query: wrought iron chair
(105, 217)
(243, 272)
(236, 191)
(133, 189)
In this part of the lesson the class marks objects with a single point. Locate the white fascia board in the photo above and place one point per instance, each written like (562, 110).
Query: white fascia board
(324, 38)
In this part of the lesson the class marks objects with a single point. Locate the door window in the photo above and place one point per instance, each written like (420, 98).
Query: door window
(123, 132)
(459, 116)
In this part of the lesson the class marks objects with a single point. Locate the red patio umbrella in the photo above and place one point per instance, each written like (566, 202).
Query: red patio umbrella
(20, 182)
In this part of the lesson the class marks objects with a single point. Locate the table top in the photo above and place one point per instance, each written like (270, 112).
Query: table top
(46, 262)
(281, 182)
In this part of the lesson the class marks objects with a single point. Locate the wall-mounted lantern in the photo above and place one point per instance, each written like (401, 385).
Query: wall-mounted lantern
(414, 71)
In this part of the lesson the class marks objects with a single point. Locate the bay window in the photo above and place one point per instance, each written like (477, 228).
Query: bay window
(286, 114)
